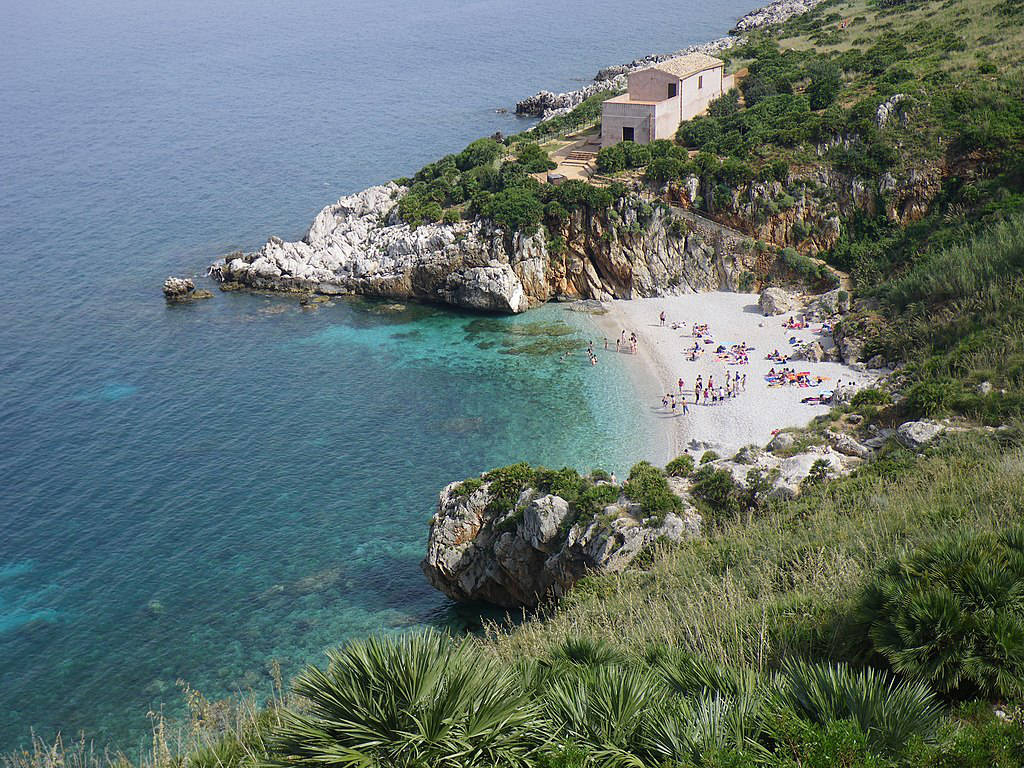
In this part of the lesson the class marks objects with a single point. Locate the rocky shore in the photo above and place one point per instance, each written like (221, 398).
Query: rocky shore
(536, 550)
(360, 246)
(540, 547)
(546, 104)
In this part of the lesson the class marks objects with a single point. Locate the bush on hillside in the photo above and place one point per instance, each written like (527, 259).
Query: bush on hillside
(648, 487)
(532, 159)
(681, 466)
(413, 701)
(952, 615)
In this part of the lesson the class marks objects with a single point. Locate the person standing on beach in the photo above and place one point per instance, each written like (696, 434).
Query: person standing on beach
(681, 385)
(662, 317)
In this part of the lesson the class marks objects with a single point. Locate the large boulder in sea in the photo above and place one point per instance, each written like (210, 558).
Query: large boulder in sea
(539, 548)
(178, 289)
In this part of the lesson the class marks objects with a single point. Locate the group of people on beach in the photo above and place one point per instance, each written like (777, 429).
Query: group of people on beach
(625, 343)
(705, 392)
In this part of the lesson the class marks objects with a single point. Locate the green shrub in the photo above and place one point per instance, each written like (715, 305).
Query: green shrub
(952, 614)
(468, 487)
(820, 472)
(648, 487)
(611, 159)
(708, 456)
(532, 159)
(826, 82)
(516, 209)
(681, 466)
(565, 482)
(664, 169)
(976, 738)
(506, 485)
(800, 743)
(870, 396)
(716, 489)
(478, 153)
(933, 397)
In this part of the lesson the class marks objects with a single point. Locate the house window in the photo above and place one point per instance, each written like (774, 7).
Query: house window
(700, 82)
(627, 133)
(671, 90)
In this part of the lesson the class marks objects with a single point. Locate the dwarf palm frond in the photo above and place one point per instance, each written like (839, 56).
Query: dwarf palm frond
(587, 652)
(888, 711)
(952, 614)
(606, 709)
(414, 701)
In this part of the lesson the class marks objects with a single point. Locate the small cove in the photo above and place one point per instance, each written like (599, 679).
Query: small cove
(189, 493)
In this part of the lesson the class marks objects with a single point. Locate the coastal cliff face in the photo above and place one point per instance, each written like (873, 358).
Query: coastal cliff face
(807, 211)
(537, 549)
(360, 246)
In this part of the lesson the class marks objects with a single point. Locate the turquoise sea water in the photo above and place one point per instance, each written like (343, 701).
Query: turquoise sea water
(187, 493)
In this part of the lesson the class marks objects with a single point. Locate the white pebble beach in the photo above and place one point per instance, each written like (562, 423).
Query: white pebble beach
(733, 318)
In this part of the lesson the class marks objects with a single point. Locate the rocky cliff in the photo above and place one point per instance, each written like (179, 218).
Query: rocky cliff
(806, 211)
(360, 246)
(538, 546)
(537, 549)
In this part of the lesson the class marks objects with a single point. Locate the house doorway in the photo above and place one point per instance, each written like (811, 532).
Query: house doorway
(627, 133)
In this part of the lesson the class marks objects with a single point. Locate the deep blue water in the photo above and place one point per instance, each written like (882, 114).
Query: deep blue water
(191, 492)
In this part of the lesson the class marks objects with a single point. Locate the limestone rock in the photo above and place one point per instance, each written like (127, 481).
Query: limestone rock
(775, 301)
(812, 352)
(915, 435)
(783, 441)
(526, 556)
(888, 108)
(877, 361)
(829, 304)
(183, 289)
(848, 446)
(360, 246)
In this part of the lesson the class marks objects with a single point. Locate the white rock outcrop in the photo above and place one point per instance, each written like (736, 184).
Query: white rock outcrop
(775, 301)
(537, 550)
(360, 246)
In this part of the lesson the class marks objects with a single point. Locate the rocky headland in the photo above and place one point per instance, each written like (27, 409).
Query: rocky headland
(359, 245)
(537, 547)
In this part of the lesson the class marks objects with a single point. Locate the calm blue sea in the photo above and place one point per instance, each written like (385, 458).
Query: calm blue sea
(188, 493)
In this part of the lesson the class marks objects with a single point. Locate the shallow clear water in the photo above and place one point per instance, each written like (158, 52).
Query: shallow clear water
(191, 492)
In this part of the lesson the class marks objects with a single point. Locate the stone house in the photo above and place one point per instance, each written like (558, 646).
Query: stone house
(659, 98)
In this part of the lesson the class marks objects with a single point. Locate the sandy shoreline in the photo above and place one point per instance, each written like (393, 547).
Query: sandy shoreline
(663, 358)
